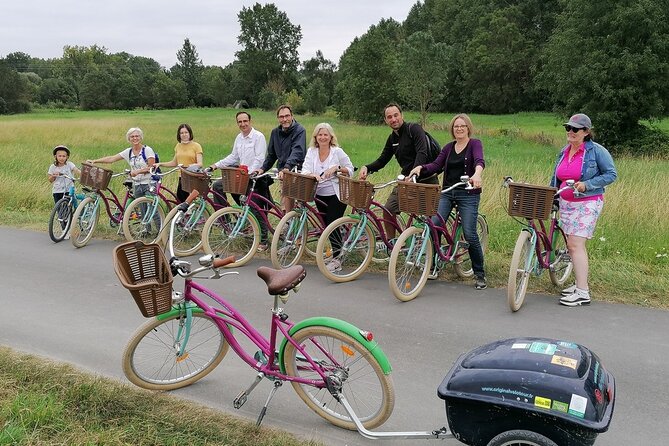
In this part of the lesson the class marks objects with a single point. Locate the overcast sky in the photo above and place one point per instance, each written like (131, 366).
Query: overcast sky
(157, 28)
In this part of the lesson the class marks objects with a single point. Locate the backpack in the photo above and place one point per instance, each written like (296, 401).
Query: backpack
(433, 146)
(156, 160)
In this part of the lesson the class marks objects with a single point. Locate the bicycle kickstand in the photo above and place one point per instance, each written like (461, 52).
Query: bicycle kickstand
(277, 384)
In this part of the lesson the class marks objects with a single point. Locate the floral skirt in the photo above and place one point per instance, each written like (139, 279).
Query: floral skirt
(580, 217)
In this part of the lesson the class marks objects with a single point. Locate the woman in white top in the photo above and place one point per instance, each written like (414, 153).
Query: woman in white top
(325, 159)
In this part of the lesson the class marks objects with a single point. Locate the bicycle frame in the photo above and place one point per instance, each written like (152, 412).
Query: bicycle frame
(542, 241)
(249, 206)
(227, 319)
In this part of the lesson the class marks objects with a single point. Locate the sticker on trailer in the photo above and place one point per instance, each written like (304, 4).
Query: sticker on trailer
(519, 345)
(564, 361)
(577, 405)
(560, 406)
(544, 403)
(543, 348)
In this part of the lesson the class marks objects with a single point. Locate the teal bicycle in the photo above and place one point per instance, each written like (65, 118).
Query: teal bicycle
(60, 219)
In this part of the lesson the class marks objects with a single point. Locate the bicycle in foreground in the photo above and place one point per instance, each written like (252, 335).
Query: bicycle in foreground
(419, 253)
(60, 219)
(360, 235)
(235, 230)
(539, 247)
(95, 181)
(144, 216)
(332, 365)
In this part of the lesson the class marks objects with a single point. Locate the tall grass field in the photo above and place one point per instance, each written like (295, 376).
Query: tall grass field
(628, 255)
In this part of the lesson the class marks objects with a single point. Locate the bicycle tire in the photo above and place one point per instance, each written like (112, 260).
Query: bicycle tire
(84, 221)
(287, 243)
(150, 356)
(463, 268)
(369, 391)
(382, 255)
(518, 437)
(134, 226)
(60, 219)
(408, 270)
(356, 252)
(313, 235)
(187, 236)
(561, 264)
(217, 235)
(519, 276)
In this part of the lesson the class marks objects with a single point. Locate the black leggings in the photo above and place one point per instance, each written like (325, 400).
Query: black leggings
(332, 208)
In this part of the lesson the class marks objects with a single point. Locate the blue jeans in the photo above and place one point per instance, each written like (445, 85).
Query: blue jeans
(468, 207)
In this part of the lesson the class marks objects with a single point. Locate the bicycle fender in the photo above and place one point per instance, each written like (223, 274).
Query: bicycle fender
(175, 311)
(342, 326)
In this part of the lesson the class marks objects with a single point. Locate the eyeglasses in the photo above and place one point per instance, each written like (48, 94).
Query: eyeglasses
(569, 128)
(459, 126)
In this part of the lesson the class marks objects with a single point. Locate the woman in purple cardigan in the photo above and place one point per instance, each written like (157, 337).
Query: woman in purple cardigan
(463, 156)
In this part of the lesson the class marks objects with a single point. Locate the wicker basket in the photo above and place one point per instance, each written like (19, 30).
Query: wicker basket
(418, 198)
(530, 201)
(298, 186)
(355, 193)
(194, 181)
(95, 177)
(234, 181)
(144, 270)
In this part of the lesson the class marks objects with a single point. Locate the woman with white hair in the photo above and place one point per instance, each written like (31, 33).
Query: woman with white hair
(140, 157)
(325, 159)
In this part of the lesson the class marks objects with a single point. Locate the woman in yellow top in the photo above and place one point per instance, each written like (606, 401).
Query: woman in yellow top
(187, 153)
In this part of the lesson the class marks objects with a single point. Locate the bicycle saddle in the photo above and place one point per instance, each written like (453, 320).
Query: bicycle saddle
(280, 281)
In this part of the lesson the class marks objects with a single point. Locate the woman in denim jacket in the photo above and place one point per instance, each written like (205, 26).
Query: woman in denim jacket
(591, 166)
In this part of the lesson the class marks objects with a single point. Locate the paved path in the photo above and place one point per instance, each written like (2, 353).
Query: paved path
(67, 304)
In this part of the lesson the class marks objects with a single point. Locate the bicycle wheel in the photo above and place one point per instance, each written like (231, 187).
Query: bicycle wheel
(519, 271)
(288, 241)
(151, 358)
(410, 264)
(463, 264)
(84, 221)
(561, 265)
(313, 235)
(364, 384)
(228, 233)
(381, 251)
(139, 224)
(521, 438)
(60, 219)
(188, 232)
(357, 248)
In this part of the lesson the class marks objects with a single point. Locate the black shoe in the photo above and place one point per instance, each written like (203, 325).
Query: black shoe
(480, 283)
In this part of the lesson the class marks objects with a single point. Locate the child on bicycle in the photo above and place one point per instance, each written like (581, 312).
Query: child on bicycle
(61, 165)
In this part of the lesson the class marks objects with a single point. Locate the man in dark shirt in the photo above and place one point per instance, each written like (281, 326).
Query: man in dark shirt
(287, 147)
(408, 144)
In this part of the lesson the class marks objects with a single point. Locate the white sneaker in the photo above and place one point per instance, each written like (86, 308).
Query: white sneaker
(67, 236)
(334, 266)
(569, 290)
(578, 297)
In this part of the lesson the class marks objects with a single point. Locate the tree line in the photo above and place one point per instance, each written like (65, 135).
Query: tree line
(609, 59)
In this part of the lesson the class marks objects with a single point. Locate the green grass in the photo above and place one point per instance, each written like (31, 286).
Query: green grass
(44, 403)
(628, 256)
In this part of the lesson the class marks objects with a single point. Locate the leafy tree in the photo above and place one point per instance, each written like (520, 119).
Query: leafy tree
(57, 91)
(77, 61)
(189, 69)
(213, 87)
(269, 44)
(19, 61)
(169, 93)
(319, 68)
(14, 90)
(96, 90)
(422, 80)
(610, 59)
(368, 72)
(315, 96)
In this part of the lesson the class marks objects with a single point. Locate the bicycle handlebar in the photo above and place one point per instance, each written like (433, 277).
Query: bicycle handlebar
(152, 171)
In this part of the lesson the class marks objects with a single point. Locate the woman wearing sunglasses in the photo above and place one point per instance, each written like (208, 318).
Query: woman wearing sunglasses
(591, 166)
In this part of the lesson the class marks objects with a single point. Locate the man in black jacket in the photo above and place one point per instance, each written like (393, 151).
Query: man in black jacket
(287, 147)
(408, 144)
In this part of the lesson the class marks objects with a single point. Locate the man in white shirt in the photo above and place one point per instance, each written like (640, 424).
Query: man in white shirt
(249, 150)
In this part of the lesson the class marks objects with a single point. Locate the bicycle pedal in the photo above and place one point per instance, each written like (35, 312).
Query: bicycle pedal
(240, 399)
